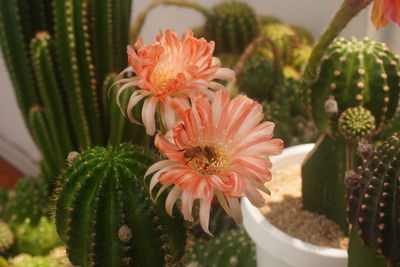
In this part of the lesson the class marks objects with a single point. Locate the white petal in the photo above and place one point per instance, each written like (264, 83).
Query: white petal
(148, 113)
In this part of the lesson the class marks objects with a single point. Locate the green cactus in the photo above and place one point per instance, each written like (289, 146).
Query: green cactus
(284, 38)
(3, 200)
(233, 248)
(3, 262)
(30, 202)
(38, 239)
(301, 55)
(373, 204)
(232, 25)
(25, 260)
(59, 63)
(104, 214)
(260, 75)
(60, 254)
(356, 124)
(6, 237)
(265, 20)
(352, 74)
(304, 35)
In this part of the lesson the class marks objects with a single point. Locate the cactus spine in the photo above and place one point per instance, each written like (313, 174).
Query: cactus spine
(232, 25)
(373, 199)
(105, 217)
(360, 75)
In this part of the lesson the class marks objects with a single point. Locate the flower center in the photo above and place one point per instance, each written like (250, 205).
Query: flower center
(206, 159)
(161, 76)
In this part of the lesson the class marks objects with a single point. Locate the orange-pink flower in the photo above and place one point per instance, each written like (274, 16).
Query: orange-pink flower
(170, 68)
(385, 11)
(218, 148)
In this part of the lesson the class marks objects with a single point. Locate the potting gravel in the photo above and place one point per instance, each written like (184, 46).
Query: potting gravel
(284, 210)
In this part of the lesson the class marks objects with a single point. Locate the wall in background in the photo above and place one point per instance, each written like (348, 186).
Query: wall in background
(17, 147)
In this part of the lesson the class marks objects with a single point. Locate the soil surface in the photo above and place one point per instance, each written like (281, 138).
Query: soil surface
(284, 210)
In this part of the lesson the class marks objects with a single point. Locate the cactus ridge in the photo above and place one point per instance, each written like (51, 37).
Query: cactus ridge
(104, 214)
(357, 73)
(232, 25)
(374, 204)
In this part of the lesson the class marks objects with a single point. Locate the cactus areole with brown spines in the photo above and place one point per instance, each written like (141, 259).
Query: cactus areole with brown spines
(105, 216)
(357, 73)
(374, 199)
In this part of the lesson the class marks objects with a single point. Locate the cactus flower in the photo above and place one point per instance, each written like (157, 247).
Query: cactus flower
(385, 11)
(218, 148)
(170, 68)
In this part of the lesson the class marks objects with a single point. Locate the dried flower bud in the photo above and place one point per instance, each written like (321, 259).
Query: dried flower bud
(331, 107)
(365, 150)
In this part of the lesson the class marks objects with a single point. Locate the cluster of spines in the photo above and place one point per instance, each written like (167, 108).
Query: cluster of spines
(356, 124)
(232, 25)
(105, 216)
(373, 198)
(232, 248)
(357, 73)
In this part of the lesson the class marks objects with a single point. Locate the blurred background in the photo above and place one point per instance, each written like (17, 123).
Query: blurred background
(17, 147)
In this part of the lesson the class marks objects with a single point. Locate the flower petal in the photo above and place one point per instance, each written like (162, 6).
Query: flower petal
(148, 112)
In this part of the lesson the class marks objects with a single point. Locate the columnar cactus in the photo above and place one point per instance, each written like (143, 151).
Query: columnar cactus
(361, 79)
(373, 199)
(232, 25)
(58, 54)
(6, 237)
(233, 248)
(105, 216)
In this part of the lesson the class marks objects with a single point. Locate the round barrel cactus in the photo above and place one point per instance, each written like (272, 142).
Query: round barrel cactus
(356, 73)
(373, 198)
(105, 216)
(232, 25)
(6, 237)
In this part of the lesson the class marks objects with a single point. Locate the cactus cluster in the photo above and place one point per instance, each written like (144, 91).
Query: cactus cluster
(353, 99)
(105, 216)
(58, 54)
(6, 237)
(232, 25)
(232, 248)
(24, 260)
(373, 205)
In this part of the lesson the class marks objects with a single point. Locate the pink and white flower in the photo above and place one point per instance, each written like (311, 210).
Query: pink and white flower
(170, 68)
(218, 148)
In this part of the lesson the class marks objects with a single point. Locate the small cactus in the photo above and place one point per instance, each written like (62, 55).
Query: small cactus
(232, 248)
(105, 216)
(232, 25)
(25, 260)
(29, 203)
(356, 124)
(60, 254)
(6, 237)
(38, 239)
(373, 199)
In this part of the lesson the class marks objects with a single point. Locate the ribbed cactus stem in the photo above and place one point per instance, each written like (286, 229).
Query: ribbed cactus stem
(373, 199)
(45, 73)
(105, 216)
(44, 140)
(347, 11)
(15, 52)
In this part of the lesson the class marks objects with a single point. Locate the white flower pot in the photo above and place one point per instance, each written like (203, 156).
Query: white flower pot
(274, 247)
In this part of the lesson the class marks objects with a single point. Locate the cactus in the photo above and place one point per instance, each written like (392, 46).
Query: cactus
(24, 260)
(304, 35)
(232, 25)
(38, 239)
(3, 200)
(6, 237)
(301, 55)
(353, 74)
(60, 254)
(373, 204)
(265, 20)
(59, 63)
(356, 124)
(233, 248)
(260, 75)
(30, 202)
(104, 214)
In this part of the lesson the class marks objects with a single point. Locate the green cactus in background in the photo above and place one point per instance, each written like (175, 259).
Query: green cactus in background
(29, 203)
(232, 248)
(373, 206)
(104, 214)
(304, 35)
(3, 200)
(6, 237)
(60, 254)
(301, 55)
(232, 25)
(265, 20)
(25, 260)
(58, 54)
(353, 74)
(38, 239)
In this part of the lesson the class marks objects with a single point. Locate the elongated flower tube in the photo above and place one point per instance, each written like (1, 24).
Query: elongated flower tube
(170, 68)
(218, 148)
(385, 11)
